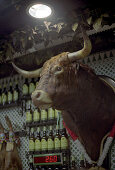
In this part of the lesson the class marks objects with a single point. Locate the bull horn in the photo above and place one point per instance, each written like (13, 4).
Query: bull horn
(83, 52)
(27, 74)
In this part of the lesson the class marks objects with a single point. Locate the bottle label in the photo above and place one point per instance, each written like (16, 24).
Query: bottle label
(15, 95)
(25, 89)
(37, 145)
(9, 96)
(43, 115)
(0, 99)
(44, 144)
(50, 113)
(36, 115)
(57, 143)
(28, 116)
(31, 145)
(31, 88)
(64, 143)
(50, 144)
(4, 98)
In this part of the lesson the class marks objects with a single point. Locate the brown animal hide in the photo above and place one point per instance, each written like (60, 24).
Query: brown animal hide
(12, 159)
(87, 103)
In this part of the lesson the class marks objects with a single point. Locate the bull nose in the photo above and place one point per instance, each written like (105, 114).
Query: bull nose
(41, 96)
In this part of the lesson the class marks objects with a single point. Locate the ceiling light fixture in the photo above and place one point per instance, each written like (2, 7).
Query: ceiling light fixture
(39, 10)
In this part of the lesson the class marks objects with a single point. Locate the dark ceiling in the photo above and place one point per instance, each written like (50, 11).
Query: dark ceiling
(13, 16)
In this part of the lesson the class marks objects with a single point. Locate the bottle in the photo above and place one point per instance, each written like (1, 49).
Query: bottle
(38, 141)
(16, 92)
(64, 166)
(73, 167)
(4, 94)
(10, 93)
(64, 140)
(29, 116)
(31, 140)
(57, 113)
(44, 116)
(36, 115)
(25, 88)
(31, 162)
(31, 86)
(51, 115)
(57, 140)
(37, 82)
(44, 142)
(50, 141)
(0, 95)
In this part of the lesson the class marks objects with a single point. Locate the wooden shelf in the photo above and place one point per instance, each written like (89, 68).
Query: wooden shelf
(7, 105)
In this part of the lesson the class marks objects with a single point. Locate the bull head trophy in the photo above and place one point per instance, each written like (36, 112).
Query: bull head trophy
(86, 101)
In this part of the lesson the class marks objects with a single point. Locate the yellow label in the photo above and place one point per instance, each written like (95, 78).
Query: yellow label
(37, 145)
(64, 143)
(0, 146)
(15, 95)
(0, 99)
(50, 113)
(28, 117)
(9, 146)
(50, 144)
(31, 88)
(25, 89)
(31, 145)
(4, 98)
(44, 144)
(57, 143)
(43, 115)
(9, 96)
(36, 115)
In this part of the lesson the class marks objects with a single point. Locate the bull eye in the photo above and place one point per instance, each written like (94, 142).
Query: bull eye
(58, 70)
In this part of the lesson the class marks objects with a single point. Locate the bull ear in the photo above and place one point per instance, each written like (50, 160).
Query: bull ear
(27, 74)
(83, 52)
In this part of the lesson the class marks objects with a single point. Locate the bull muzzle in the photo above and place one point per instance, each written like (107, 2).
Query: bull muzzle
(41, 99)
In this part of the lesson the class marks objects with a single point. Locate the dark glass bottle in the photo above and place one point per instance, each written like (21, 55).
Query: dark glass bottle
(16, 92)
(50, 141)
(10, 93)
(25, 88)
(4, 94)
(31, 86)
(57, 140)
(64, 166)
(44, 142)
(64, 140)
(38, 141)
(31, 141)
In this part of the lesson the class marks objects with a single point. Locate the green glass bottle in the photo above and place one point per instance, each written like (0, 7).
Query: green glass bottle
(57, 140)
(44, 116)
(38, 141)
(51, 114)
(4, 94)
(64, 140)
(25, 88)
(51, 141)
(16, 92)
(36, 115)
(31, 140)
(44, 141)
(10, 93)
(31, 86)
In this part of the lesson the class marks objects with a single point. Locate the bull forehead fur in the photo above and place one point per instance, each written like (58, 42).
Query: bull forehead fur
(87, 103)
